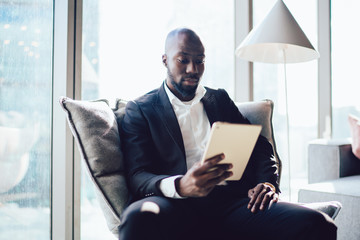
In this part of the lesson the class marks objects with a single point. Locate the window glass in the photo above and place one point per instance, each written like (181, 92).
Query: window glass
(26, 29)
(123, 42)
(302, 96)
(345, 50)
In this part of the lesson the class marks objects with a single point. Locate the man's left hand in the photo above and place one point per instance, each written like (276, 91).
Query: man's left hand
(261, 196)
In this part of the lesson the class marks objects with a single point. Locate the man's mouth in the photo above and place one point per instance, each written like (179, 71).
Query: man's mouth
(191, 81)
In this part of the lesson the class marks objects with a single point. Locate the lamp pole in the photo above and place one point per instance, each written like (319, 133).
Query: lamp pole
(287, 120)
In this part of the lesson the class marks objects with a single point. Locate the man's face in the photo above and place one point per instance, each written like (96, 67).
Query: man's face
(185, 65)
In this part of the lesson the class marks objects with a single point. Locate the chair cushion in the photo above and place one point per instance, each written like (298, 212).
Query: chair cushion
(95, 128)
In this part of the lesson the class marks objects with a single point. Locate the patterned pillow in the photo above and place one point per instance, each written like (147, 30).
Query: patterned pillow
(95, 128)
(355, 134)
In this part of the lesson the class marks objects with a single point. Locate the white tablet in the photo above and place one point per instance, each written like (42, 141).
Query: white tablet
(236, 141)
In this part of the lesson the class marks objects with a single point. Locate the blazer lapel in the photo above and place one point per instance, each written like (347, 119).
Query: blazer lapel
(211, 110)
(164, 108)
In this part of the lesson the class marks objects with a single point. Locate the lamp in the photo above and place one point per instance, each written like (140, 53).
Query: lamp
(278, 39)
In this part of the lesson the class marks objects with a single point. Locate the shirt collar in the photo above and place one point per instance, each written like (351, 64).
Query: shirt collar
(199, 94)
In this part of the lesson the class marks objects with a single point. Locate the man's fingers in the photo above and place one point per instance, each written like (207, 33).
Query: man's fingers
(210, 162)
(220, 178)
(199, 181)
(207, 181)
(261, 197)
(269, 198)
(204, 177)
(217, 170)
(266, 199)
(254, 196)
(215, 158)
(275, 199)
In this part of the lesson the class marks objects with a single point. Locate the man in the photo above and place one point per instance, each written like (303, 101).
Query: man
(164, 134)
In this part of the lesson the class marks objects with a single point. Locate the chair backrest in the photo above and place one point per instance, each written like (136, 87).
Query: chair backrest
(261, 112)
(95, 128)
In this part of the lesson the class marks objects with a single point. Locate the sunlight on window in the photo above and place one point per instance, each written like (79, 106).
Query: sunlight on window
(25, 117)
(129, 49)
(345, 64)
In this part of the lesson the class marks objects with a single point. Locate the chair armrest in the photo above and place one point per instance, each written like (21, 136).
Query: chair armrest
(331, 208)
(331, 159)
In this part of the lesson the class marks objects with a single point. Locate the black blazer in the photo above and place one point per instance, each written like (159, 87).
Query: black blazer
(153, 146)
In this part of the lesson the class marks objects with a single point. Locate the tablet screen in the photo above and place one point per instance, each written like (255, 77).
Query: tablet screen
(236, 141)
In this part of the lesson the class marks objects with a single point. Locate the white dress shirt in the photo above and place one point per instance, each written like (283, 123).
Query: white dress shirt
(195, 129)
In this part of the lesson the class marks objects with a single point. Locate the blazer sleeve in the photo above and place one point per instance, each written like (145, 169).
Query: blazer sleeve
(262, 163)
(266, 169)
(139, 153)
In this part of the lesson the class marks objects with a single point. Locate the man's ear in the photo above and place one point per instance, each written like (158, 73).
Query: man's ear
(164, 59)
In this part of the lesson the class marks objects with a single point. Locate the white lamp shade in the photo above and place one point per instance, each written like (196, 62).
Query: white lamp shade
(277, 39)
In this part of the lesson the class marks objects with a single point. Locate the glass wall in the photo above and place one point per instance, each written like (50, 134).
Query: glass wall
(345, 50)
(122, 48)
(302, 96)
(26, 30)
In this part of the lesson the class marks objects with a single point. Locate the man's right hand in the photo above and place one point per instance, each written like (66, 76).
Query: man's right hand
(200, 180)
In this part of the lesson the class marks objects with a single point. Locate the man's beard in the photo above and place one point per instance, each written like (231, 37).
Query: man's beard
(186, 91)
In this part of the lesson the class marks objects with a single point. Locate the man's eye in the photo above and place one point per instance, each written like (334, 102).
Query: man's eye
(200, 61)
(183, 61)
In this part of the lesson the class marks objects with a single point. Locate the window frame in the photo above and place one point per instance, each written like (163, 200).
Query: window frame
(65, 160)
(324, 70)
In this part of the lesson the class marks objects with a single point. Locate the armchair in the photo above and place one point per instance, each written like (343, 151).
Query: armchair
(95, 129)
(334, 174)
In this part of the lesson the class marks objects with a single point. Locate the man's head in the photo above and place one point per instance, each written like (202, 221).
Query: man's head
(184, 59)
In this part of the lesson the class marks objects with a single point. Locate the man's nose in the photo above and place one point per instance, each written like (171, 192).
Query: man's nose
(192, 67)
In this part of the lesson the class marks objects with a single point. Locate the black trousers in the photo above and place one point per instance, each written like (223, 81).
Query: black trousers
(221, 217)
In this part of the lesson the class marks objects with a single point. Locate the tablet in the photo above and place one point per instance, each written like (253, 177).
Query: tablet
(236, 141)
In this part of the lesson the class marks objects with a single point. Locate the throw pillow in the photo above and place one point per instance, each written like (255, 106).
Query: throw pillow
(355, 134)
(95, 129)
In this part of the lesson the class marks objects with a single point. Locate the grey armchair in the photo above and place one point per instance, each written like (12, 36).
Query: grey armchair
(95, 129)
(334, 174)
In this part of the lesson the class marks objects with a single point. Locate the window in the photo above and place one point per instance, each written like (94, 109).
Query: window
(25, 118)
(345, 62)
(121, 58)
(302, 97)
(122, 48)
